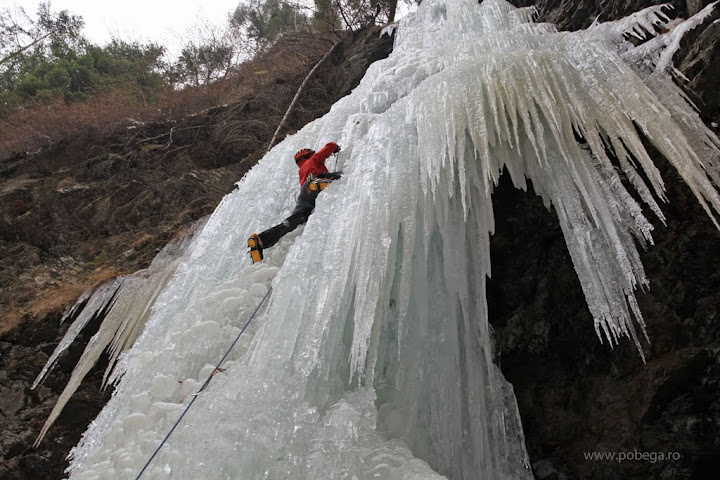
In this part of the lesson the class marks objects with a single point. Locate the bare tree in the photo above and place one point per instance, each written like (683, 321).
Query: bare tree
(210, 53)
(360, 13)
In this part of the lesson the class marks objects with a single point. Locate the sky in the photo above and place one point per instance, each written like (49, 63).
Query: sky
(165, 22)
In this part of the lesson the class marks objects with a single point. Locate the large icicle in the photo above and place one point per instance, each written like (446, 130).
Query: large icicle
(125, 304)
(373, 356)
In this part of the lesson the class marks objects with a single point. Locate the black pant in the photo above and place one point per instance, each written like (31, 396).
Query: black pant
(273, 235)
(305, 206)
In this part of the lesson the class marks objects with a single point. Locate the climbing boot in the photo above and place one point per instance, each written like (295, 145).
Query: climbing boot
(256, 248)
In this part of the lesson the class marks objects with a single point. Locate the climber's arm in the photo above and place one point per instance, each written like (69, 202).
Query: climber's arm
(319, 158)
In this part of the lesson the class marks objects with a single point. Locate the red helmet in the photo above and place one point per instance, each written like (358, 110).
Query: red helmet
(303, 154)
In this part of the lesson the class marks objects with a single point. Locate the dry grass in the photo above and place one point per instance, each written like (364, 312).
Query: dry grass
(34, 127)
(265, 89)
(31, 128)
(54, 300)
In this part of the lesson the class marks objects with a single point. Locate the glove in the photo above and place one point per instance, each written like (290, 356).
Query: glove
(330, 175)
(337, 150)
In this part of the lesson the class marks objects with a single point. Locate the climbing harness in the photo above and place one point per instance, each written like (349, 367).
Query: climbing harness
(321, 181)
(319, 184)
(204, 386)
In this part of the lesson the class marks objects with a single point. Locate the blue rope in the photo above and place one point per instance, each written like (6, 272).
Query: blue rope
(207, 382)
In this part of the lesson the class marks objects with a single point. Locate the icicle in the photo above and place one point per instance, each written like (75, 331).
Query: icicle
(639, 24)
(124, 303)
(97, 301)
(665, 60)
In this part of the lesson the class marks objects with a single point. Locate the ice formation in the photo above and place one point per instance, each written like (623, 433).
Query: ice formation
(373, 355)
(125, 304)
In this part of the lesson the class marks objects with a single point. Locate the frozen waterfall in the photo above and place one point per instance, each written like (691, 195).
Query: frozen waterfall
(373, 356)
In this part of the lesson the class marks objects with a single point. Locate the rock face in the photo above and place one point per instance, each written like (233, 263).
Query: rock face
(89, 209)
(577, 396)
(23, 352)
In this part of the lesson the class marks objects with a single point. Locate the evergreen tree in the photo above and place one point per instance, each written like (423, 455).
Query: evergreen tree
(26, 42)
(326, 15)
(203, 64)
(47, 57)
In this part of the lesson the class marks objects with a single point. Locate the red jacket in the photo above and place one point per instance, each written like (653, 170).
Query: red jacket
(316, 164)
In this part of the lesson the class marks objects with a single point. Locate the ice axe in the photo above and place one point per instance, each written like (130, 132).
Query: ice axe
(335, 159)
(337, 164)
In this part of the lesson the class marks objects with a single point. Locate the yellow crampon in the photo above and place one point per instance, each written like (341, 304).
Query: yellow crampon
(256, 249)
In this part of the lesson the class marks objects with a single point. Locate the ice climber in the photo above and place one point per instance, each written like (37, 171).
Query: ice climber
(314, 177)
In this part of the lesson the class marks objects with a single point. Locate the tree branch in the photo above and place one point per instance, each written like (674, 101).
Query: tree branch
(297, 95)
(15, 54)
